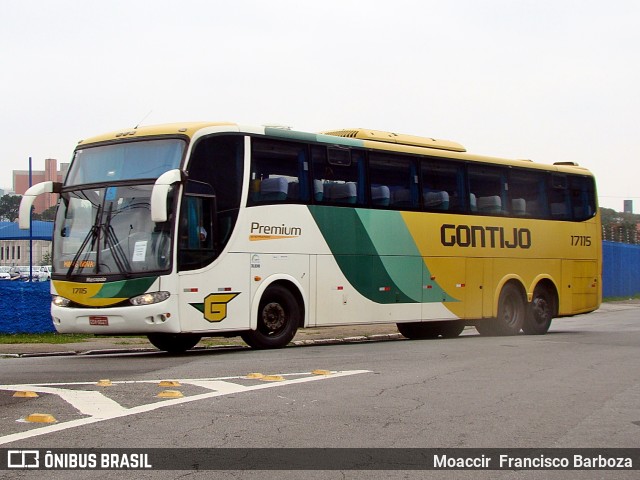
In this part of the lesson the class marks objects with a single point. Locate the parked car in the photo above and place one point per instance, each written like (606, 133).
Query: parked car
(24, 272)
(15, 273)
(4, 272)
(44, 273)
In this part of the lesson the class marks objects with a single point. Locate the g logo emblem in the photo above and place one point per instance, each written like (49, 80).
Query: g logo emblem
(215, 306)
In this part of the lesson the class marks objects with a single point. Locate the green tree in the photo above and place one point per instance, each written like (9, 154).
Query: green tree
(9, 207)
(46, 259)
(48, 215)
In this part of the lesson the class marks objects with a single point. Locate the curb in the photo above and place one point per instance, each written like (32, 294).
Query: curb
(116, 351)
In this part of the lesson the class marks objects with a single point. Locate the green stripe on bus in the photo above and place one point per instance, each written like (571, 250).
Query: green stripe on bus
(125, 288)
(375, 251)
(312, 137)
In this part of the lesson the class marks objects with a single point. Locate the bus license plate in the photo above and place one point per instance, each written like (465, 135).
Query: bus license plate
(100, 321)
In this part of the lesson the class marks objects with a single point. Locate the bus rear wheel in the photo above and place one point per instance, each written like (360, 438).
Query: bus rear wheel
(279, 315)
(540, 312)
(486, 327)
(173, 342)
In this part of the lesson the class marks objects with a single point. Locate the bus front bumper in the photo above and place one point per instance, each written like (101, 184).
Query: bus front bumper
(139, 320)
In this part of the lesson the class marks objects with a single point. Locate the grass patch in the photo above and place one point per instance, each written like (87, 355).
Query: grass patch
(42, 338)
(216, 341)
(621, 299)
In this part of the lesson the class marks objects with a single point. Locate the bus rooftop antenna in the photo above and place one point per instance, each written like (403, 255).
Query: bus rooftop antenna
(143, 119)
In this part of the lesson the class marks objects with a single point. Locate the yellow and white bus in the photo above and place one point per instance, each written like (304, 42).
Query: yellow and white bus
(215, 229)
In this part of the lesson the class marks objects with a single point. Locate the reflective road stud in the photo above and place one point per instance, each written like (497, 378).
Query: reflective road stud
(169, 383)
(25, 394)
(170, 394)
(41, 418)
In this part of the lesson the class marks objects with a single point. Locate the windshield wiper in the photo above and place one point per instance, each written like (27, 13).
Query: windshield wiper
(92, 236)
(106, 232)
(111, 240)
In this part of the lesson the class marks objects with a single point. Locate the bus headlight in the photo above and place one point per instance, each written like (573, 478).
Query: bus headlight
(149, 298)
(59, 301)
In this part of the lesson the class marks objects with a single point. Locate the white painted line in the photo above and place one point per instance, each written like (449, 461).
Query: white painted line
(225, 388)
(216, 385)
(87, 402)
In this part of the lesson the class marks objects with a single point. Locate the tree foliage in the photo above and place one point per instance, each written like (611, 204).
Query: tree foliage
(49, 214)
(9, 207)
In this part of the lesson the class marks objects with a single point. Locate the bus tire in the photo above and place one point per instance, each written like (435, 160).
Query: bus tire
(540, 312)
(418, 330)
(174, 342)
(451, 328)
(511, 311)
(486, 327)
(279, 314)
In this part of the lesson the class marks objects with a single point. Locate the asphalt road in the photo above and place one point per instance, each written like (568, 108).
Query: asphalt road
(578, 386)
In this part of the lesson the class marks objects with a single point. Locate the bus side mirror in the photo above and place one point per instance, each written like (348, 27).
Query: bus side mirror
(29, 197)
(160, 192)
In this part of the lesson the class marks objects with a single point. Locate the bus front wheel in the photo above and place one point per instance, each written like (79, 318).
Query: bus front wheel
(279, 315)
(173, 342)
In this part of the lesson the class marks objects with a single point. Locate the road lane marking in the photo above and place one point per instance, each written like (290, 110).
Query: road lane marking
(87, 402)
(108, 409)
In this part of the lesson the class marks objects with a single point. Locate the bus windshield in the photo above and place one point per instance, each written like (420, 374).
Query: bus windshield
(125, 161)
(108, 231)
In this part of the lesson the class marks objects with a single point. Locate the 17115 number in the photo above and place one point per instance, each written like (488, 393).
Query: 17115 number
(580, 240)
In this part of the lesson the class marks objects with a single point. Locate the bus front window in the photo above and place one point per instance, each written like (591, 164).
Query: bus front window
(108, 231)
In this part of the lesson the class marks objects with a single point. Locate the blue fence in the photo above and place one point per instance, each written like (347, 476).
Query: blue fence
(24, 306)
(620, 269)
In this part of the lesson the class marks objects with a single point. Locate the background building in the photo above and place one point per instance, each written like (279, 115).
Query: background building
(50, 173)
(14, 243)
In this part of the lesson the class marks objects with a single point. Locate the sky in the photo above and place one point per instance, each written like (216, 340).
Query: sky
(546, 80)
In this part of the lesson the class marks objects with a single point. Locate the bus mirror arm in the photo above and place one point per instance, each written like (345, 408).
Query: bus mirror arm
(160, 193)
(24, 216)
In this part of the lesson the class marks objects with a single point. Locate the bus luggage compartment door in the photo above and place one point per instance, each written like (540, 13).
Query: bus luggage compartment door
(580, 286)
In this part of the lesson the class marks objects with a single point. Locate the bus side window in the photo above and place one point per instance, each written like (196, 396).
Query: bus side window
(279, 172)
(338, 175)
(197, 228)
(218, 160)
(582, 193)
(559, 201)
(528, 194)
(489, 186)
(394, 182)
(442, 186)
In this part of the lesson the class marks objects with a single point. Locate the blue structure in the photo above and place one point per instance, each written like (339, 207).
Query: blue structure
(41, 231)
(25, 307)
(620, 269)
